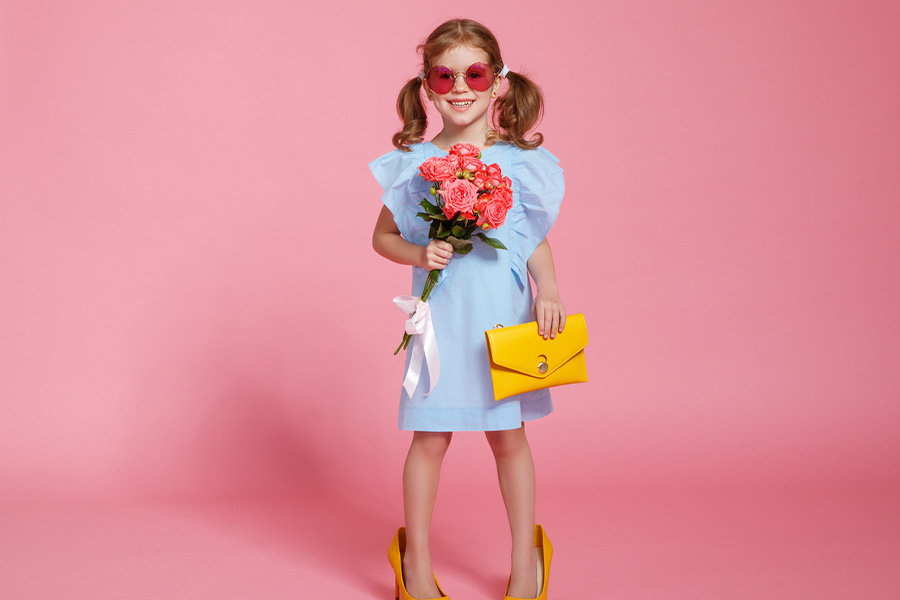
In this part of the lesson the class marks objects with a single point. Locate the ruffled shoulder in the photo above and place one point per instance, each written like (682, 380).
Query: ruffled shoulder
(538, 188)
(398, 174)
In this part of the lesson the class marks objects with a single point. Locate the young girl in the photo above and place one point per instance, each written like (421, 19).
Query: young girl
(462, 75)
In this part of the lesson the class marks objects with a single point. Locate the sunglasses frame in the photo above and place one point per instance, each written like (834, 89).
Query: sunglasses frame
(456, 74)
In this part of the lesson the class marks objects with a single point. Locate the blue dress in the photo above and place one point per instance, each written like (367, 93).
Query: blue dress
(475, 291)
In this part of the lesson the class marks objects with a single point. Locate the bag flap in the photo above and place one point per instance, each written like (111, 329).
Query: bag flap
(521, 349)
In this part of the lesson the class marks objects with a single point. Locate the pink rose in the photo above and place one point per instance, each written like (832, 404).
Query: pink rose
(438, 168)
(494, 176)
(459, 196)
(465, 150)
(480, 179)
(480, 205)
(493, 216)
(470, 164)
(503, 195)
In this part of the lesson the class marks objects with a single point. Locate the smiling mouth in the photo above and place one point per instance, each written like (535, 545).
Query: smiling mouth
(462, 103)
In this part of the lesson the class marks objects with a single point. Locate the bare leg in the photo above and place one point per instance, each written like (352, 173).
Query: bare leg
(420, 483)
(515, 470)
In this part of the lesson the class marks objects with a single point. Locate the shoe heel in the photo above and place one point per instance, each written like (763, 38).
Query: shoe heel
(543, 542)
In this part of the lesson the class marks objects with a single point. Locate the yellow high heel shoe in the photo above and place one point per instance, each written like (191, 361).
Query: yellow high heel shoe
(395, 557)
(542, 542)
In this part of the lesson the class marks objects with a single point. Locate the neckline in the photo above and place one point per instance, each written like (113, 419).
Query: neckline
(483, 150)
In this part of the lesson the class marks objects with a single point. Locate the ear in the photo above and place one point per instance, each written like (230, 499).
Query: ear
(495, 88)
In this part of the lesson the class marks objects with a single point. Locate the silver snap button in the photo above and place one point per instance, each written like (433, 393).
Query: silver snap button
(542, 367)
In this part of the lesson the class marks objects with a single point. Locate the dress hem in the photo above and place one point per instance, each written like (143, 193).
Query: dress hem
(411, 419)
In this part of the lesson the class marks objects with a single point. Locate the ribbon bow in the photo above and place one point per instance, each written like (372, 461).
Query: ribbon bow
(424, 349)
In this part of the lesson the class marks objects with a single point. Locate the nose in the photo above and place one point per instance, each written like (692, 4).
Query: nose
(457, 86)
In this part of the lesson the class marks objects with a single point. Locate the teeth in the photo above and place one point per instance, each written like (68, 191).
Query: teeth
(461, 104)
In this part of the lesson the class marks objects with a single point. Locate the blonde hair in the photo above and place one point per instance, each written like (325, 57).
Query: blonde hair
(514, 113)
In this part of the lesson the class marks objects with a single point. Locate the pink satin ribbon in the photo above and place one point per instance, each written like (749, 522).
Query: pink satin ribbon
(424, 351)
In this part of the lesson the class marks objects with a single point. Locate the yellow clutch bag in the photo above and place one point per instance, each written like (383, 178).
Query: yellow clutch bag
(523, 361)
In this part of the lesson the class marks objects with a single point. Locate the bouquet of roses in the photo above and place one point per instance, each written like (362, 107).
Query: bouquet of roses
(468, 196)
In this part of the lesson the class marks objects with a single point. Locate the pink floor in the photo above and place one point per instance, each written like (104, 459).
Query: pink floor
(636, 545)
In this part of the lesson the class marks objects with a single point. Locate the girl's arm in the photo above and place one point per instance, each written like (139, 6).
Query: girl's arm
(387, 241)
(548, 309)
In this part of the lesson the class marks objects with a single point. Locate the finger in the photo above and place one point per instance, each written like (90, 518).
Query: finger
(562, 320)
(439, 250)
(542, 322)
(438, 257)
(554, 323)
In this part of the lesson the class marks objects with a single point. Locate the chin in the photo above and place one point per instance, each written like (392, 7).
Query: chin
(463, 120)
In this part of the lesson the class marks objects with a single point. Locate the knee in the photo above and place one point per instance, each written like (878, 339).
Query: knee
(432, 443)
(508, 442)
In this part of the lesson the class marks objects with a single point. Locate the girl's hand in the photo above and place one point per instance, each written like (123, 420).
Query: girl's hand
(550, 314)
(436, 255)
(548, 309)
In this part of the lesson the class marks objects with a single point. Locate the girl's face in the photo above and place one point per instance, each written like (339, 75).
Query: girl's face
(463, 108)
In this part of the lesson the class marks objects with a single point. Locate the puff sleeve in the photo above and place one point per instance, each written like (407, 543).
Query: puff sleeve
(398, 174)
(538, 188)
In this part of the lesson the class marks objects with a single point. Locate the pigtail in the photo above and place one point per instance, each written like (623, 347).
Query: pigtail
(518, 110)
(412, 113)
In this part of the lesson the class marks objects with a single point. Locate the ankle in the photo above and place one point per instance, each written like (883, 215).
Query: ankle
(417, 561)
(524, 558)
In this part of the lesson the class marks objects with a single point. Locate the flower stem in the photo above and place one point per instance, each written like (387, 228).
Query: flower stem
(429, 285)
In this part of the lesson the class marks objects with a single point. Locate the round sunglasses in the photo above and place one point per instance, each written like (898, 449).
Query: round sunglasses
(479, 77)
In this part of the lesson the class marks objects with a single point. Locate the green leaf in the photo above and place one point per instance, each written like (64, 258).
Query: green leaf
(424, 216)
(458, 231)
(430, 208)
(461, 246)
(492, 242)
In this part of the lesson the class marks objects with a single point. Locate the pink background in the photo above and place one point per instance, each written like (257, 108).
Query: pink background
(191, 313)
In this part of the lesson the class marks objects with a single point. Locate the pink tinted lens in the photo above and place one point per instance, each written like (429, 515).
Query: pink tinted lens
(441, 80)
(479, 77)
